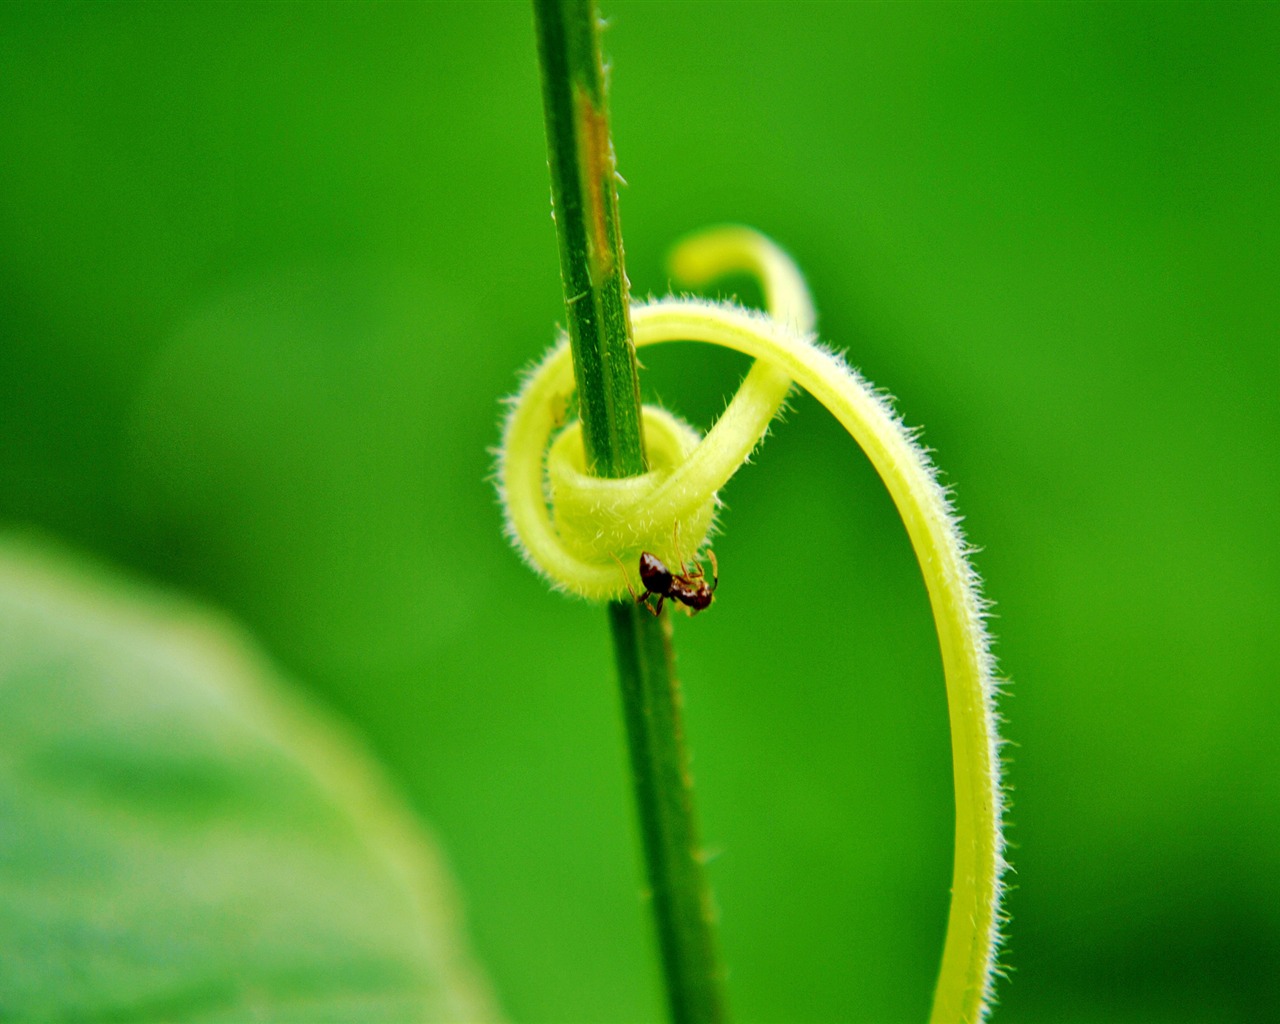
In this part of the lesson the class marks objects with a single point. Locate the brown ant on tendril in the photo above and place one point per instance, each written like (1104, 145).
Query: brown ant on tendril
(687, 588)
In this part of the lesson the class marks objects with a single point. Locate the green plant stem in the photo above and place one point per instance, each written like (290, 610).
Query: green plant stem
(681, 898)
(585, 200)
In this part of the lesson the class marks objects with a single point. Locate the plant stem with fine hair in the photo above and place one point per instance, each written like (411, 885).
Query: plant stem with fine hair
(584, 195)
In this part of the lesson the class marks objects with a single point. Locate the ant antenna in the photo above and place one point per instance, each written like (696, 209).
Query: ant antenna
(675, 546)
(627, 580)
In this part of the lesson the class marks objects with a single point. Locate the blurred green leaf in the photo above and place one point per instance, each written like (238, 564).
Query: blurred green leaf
(181, 838)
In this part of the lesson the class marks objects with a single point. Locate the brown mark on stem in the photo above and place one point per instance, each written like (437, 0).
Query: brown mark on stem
(596, 166)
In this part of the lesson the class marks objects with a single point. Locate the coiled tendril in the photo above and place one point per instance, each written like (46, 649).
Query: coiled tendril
(575, 529)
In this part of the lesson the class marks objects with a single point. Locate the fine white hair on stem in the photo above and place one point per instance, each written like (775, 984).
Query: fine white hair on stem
(575, 529)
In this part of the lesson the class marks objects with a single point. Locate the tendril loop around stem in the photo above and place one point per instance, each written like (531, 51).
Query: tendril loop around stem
(570, 527)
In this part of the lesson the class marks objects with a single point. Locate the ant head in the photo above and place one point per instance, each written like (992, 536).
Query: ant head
(655, 576)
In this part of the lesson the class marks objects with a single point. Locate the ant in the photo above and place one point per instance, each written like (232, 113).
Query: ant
(688, 588)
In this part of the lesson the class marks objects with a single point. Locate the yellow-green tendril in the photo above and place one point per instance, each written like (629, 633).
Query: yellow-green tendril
(571, 527)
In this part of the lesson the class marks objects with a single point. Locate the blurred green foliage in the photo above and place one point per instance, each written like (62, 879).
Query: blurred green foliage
(265, 269)
(184, 839)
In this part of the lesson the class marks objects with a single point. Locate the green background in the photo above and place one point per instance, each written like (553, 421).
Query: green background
(266, 270)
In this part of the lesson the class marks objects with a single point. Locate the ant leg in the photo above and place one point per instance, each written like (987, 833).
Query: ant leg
(643, 601)
(701, 573)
